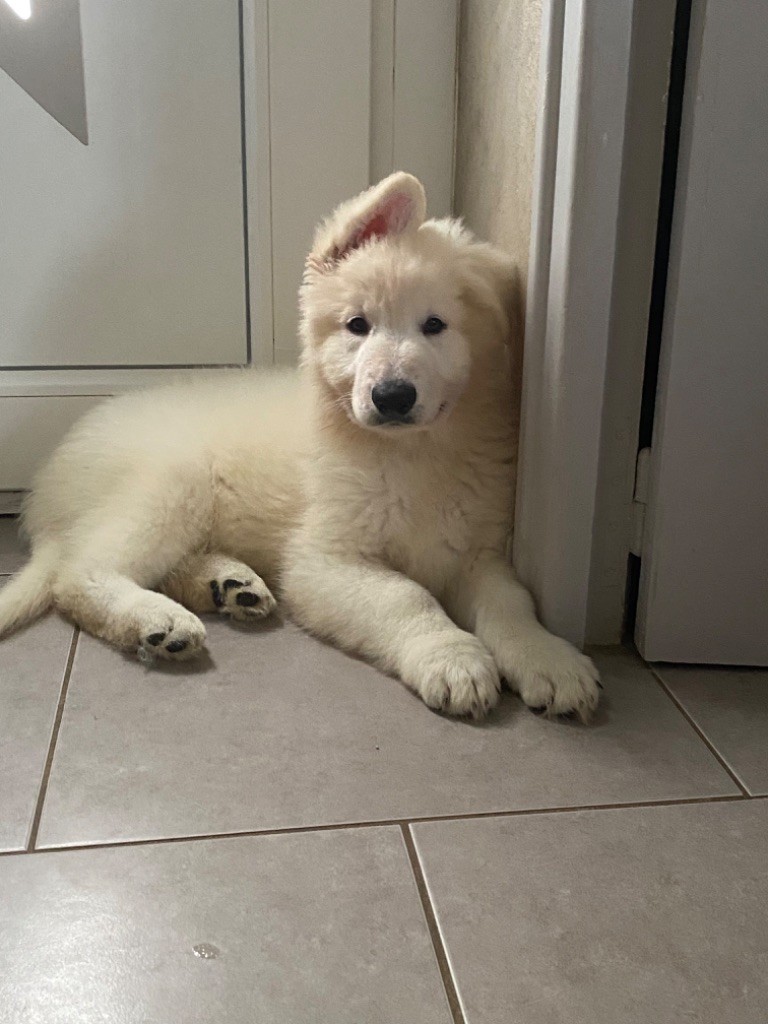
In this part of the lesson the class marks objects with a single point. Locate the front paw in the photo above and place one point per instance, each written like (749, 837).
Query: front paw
(551, 676)
(453, 672)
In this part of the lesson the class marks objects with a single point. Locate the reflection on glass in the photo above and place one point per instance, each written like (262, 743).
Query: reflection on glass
(21, 7)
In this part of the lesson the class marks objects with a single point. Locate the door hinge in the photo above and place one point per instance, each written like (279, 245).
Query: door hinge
(640, 500)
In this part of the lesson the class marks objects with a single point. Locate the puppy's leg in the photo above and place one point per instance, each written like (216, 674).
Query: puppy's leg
(210, 582)
(131, 543)
(550, 675)
(118, 610)
(391, 620)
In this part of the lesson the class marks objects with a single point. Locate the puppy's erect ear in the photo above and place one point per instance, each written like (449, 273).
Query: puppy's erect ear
(394, 206)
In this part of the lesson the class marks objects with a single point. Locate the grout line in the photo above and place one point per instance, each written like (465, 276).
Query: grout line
(701, 734)
(449, 983)
(383, 823)
(52, 745)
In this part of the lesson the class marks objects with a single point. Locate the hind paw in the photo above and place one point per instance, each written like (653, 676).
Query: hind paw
(175, 637)
(242, 599)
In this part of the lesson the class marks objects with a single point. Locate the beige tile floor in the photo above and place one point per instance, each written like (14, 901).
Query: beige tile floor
(344, 855)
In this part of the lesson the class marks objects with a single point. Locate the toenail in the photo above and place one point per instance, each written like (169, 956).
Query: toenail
(247, 599)
(155, 638)
(176, 645)
(540, 710)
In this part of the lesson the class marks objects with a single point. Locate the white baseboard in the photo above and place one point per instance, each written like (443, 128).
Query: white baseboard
(30, 428)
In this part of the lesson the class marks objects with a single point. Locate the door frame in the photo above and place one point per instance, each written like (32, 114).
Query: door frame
(604, 75)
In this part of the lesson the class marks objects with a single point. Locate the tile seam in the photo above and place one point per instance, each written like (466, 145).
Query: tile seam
(43, 789)
(527, 812)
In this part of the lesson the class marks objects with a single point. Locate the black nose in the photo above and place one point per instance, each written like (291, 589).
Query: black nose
(394, 397)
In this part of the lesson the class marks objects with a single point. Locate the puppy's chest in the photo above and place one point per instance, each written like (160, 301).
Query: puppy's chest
(417, 513)
(403, 521)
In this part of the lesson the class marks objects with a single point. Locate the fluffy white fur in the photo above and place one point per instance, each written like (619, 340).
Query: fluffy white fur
(388, 538)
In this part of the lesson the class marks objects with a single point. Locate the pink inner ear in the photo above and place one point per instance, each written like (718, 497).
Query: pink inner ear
(389, 218)
(377, 227)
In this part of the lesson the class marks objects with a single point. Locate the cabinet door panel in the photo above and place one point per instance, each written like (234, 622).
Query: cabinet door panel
(129, 251)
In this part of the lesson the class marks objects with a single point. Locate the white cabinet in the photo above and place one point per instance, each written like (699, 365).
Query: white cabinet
(219, 133)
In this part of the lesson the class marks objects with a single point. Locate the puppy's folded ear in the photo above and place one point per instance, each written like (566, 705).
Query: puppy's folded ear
(395, 206)
(493, 289)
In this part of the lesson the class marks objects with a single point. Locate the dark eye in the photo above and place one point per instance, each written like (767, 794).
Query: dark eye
(433, 325)
(358, 325)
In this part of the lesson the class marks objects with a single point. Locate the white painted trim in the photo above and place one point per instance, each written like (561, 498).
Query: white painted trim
(565, 362)
(382, 156)
(357, 89)
(258, 177)
(425, 82)
(37, 383)
(613, 533)
(413, 100)
(320, 116)
(604, 76)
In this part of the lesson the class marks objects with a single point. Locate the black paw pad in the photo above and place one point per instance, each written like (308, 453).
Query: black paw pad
(247, 600)
(216, 594)
(230, 584)
(175, 646)
(155, 639)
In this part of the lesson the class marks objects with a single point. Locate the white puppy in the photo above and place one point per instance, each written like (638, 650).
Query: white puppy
(373, 489)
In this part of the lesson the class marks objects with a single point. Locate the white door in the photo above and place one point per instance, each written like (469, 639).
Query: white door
(704, 577)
